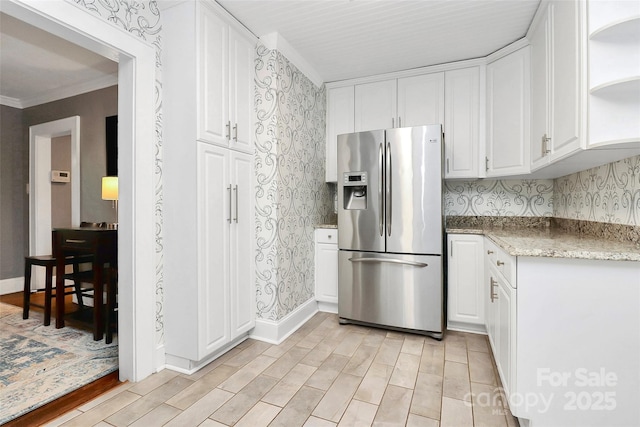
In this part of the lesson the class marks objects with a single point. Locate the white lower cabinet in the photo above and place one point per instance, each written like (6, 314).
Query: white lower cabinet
(210, 291)
(465, 296)
(326, 269)
(564, 335)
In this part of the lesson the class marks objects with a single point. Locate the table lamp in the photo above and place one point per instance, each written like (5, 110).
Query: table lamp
(110, 192)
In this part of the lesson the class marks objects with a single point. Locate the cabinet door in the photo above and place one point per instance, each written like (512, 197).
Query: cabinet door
(213, 96)
(421, 100)
(241, 57)
(465, 282)
(213, 244)
(508, 131)
(326, 266)
(505, 323)
(566, 77)
(242, 286)
(375, 105)
(462, 123)
(340, 110)
(540, 93)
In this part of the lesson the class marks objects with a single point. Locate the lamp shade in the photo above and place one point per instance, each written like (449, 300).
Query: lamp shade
(109, 188)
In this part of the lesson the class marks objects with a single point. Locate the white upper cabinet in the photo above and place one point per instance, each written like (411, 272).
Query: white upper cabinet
(421, 100)
(340, 110)
(226, 82)
(375, 105)
(508, 115)
(241, 92)
(556, 82)
(462, 135)
(540, 93)
(407, 101)
(565, 77)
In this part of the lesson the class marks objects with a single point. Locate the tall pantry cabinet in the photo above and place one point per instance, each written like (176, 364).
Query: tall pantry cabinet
(208, 168)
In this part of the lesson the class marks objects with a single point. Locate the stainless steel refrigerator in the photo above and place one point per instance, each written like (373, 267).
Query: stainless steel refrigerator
(390, 223)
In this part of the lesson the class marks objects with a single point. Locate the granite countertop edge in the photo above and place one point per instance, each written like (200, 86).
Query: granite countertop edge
(554, 244)
(330, 226)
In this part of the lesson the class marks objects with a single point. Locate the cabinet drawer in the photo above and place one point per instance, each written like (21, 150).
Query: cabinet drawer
(506, 264)
(501, 261)
(327, 235)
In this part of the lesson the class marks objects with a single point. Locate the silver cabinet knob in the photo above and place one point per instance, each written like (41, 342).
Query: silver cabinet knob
(329, 236)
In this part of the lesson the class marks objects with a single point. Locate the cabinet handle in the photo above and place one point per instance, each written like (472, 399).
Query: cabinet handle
(447, 165)
(328, 236)
(75, 241)
(393, 123)
(493, 295)
(545, 145)
(399, 121)
(227, 128)
(486, 164)
(489, 252)
(236, 191)
(235, 132)
(499, 263)
(229, 190)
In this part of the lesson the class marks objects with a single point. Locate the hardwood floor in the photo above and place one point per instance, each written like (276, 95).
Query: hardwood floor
(79, 320)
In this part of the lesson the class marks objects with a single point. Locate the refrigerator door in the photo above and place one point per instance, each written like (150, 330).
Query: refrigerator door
(414, 190)
(402, 291)
(361, 204)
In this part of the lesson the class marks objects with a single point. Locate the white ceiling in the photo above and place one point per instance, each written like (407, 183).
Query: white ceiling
(338, 39)
(37, 67)
(344, 39)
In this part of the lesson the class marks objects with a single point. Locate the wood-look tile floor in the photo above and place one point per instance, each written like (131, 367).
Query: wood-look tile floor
(325, 374)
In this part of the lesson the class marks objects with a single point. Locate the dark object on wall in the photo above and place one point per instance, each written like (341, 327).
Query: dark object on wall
(111, 123)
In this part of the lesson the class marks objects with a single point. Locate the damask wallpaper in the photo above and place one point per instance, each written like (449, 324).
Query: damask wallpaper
(142, 19)
(526, 197)
(291, 195)
(609, 193)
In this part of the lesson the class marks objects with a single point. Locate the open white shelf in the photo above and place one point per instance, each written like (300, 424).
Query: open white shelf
(614, 71)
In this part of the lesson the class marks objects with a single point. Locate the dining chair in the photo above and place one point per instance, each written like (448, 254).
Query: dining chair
(49, 262)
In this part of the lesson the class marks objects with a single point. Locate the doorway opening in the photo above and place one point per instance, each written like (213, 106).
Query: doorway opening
(139, 354)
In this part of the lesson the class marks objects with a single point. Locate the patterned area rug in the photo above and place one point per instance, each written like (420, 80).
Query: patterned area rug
(40, 363)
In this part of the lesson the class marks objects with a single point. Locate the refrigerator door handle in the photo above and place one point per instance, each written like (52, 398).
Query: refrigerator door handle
(388, 189)
(390, 260)
(380, 185)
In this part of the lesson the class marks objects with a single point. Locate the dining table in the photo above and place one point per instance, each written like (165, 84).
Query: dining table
(102, 245)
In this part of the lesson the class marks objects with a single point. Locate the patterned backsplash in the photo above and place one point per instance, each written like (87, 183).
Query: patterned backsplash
(608, 193)
(522, 197)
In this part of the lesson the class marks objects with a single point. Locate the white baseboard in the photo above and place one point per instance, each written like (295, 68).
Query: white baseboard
(274, 332)
(328, 307)
(466, 327)
(186, 366)
(12, 285)
(161, 358)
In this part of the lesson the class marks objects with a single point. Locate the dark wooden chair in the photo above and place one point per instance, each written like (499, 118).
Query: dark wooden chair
(111, 318)
(49, 262)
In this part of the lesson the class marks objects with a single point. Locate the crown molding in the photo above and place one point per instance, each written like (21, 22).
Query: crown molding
(61, 93)
(276, 41)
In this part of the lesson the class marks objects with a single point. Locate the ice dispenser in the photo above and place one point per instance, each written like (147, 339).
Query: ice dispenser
(355, 190)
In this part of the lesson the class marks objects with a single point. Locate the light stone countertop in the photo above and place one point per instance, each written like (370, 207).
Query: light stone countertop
(326, 226)
(536, 242)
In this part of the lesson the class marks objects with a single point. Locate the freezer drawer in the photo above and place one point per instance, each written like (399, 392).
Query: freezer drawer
(401, 291)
